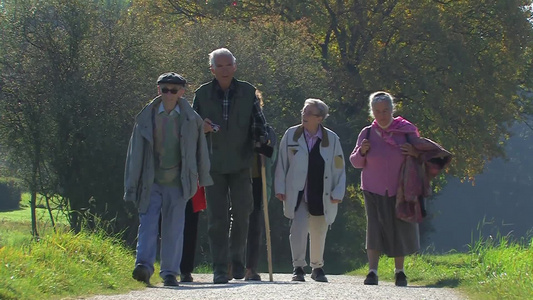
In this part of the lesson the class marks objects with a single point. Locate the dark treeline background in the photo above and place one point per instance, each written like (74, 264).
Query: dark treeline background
(74, 74)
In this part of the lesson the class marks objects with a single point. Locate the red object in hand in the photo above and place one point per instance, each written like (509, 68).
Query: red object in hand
(198, 200)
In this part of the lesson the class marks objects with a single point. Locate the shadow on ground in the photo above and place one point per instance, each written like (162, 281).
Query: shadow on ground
(447, 282)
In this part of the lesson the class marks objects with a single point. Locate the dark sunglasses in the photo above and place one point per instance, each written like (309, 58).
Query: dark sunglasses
(166, 90)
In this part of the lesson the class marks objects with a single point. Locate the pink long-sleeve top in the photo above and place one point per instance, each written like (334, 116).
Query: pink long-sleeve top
(381, 164)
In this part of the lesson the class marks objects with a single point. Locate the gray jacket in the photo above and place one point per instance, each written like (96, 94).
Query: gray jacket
(140, 166)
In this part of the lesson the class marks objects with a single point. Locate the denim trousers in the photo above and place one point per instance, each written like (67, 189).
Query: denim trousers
(167, 203)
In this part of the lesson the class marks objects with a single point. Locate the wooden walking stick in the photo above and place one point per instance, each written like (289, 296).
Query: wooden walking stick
(265, 213)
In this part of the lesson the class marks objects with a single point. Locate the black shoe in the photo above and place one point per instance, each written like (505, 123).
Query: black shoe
(186, 277)
(371, 279)
(219, 278)
(141, 273)
(318, 275)
(251, 274)
(298, 274)
(400, 279)
(170, 280)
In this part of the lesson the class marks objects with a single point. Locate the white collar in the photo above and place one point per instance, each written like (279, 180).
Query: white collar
(162, 108)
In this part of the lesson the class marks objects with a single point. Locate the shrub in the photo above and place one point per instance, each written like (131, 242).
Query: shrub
(10, 194)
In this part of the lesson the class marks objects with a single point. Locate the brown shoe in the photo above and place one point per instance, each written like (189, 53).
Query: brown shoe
(251, 274)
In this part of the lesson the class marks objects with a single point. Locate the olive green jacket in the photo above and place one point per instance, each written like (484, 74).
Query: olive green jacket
(231, 148)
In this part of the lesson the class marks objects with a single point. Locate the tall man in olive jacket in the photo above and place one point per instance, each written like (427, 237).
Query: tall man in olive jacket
(167, 156)
(234, 123)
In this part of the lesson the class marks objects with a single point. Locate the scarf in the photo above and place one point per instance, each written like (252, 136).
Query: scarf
(398, 125)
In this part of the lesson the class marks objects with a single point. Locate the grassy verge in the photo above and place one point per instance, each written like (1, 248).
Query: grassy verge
(65, 264)
(491, 270)
(68, 265)
(60, 264)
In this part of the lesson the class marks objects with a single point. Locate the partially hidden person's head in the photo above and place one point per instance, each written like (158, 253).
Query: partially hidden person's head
(382, 107)
(223, 65)
(259, 97)
(313, 113)
(171, 86)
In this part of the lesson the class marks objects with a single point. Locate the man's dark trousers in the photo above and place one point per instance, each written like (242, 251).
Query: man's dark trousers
(189, 239)
(255, 227)
(233, 189)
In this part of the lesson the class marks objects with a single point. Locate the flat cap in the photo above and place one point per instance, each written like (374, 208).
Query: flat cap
(172, 78)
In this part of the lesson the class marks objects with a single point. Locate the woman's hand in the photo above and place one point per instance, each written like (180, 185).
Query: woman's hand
(281, 197)
(408, 149)
(335, 201)
(365, 146)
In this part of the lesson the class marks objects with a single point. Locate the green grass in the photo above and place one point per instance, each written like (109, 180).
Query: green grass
(68, 265)
(15, 226)
(491, 270)
(60, 264)
(24, 215)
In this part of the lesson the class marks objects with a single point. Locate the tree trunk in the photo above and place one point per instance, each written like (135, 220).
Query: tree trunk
(50, 213)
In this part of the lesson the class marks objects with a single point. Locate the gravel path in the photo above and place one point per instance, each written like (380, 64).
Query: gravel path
(339, 287)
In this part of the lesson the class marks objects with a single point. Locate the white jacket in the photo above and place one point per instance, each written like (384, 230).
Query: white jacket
(291, 170)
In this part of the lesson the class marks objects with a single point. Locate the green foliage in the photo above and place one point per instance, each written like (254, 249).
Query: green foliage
(493, 269)
(455, 67)
(10, 193)
(16, 226)
(69, 131)
(73, 74)
(56, 265)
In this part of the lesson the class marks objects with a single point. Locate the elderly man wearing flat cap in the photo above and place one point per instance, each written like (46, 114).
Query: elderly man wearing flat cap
(167, 156)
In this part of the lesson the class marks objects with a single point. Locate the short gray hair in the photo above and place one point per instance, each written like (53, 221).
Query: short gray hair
(378, 97)
(220, 52)
(323, 109)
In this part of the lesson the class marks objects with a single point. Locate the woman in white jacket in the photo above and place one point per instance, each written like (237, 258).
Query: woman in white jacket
(310, 180)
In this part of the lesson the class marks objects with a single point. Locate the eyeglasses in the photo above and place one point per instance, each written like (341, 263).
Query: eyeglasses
(166, 90)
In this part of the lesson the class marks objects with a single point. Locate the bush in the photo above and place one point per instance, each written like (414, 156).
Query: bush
(10, 194)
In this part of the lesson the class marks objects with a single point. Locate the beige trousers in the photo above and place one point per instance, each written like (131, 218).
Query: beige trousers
(303, 225)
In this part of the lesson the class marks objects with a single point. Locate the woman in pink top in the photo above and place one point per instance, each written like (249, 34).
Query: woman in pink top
(380, 151)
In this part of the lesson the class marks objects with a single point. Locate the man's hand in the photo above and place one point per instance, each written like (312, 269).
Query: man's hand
(281, 197)
(207, 126)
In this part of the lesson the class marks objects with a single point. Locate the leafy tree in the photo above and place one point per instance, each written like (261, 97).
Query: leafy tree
(24, 106)
(84, 65)
(74, 73)
(455, 67)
